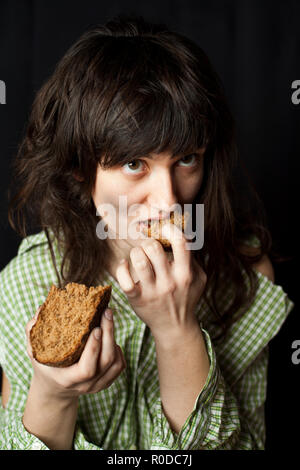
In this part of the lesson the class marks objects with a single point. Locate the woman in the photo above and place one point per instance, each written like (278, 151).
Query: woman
(179, 361)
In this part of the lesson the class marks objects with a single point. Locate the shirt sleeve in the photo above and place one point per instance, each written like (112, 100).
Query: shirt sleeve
(216, 421)
(14, 436)
(229, 411)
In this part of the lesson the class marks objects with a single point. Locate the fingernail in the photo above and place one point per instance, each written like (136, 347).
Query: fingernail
(108, 314)
(97, 333)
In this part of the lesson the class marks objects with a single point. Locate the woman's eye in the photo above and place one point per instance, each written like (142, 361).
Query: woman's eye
(189, 160)
(133, 166)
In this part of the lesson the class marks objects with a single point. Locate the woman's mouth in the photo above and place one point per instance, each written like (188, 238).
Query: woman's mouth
(155, 220)
(146, 224)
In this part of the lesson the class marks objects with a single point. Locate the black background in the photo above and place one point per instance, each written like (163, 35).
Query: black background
(255, 48)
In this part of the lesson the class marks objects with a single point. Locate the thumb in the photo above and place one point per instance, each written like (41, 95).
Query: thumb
(89, 358)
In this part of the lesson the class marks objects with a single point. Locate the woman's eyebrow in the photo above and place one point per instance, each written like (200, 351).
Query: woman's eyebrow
(153, 157)
(179, 155)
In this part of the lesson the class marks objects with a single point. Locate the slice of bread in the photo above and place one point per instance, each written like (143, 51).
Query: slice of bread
(154, 228)
(65, 321)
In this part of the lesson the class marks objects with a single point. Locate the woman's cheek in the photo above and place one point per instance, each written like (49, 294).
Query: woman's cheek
(190, 187)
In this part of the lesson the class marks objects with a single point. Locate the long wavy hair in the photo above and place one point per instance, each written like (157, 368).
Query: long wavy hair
(124, 90)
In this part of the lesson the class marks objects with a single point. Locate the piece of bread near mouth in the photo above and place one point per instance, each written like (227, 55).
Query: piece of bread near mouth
(154, 228)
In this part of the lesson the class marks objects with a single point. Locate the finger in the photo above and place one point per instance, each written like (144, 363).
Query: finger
(112, 372)
(182, 256)
(142, 265)
(125, 280)
(108, 350)
(157, 255)
(88, 362)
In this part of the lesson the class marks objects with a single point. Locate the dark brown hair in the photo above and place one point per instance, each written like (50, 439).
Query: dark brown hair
(124, 90)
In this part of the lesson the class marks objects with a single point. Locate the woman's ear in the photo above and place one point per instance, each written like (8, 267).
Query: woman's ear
(77, 176)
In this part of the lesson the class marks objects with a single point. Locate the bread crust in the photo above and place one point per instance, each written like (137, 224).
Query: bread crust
(154, 230)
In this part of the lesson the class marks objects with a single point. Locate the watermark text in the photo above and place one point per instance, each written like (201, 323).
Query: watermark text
(296, 94)
(296, 353)
(2, 92)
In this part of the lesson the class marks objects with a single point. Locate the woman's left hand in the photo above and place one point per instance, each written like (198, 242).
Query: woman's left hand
(166, 295)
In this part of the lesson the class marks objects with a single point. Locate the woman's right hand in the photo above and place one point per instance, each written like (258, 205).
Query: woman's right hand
(101, 362)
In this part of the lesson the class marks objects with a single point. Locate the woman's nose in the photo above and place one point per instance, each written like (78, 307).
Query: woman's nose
(163, 192)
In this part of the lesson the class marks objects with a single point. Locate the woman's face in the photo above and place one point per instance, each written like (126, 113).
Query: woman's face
(147, 188)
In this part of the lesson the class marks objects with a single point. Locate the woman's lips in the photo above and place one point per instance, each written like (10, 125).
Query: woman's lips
(154, 225)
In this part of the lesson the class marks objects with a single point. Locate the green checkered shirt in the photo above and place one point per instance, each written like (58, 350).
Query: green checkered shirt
(228, 412)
